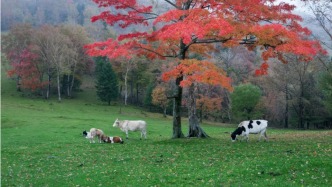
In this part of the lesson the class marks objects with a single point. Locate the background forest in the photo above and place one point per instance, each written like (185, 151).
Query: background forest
(43, 49)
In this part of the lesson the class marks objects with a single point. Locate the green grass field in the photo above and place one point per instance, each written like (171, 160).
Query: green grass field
(42, 145)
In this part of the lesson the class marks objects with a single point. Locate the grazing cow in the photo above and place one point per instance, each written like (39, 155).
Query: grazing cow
(110, 139)
(250, 127)
(92, 134)
(127, 125)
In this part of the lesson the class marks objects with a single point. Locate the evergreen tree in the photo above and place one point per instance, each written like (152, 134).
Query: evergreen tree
(326, 87)
(106, 84)
(148, 95)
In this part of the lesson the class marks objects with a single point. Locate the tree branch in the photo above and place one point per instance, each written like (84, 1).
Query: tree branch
(211, 41)
(174, 5)
(159, 54)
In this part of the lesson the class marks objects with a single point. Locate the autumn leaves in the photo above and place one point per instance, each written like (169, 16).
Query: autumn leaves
(199, 72)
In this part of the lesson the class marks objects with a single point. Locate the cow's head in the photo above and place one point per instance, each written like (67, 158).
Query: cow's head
(116, 123)
(85, 133)
(237, 132)
(107, 140)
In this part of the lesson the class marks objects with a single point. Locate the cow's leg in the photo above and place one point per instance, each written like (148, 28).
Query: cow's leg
(265, 136)
(263, 133)
(260, 136)
(247, 137)
(143, 132)
(126, 134)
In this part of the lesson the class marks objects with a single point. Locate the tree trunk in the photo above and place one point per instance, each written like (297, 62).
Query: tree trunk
(137, 94)
(59, 88)
(18, 84)
(301, 108)
(165, 110)
(194, 128)
(120, 91)
(126, 86)
(177, 131)
(49, 84)
(72, 81)
(226, 107)
(68, 85)
(132, 95)
(286, 107)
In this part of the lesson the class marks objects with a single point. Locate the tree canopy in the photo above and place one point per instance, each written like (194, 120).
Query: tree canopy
(194, 27)
(244, 101)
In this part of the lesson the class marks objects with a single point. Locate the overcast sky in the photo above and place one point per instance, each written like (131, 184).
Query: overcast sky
(310, 22)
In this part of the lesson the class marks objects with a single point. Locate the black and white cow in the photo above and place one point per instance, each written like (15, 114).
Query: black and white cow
(250, 127)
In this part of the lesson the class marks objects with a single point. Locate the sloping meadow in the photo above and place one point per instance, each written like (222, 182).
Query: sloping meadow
(42, 145)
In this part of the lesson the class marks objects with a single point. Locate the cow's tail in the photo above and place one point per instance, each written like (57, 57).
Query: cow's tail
(265, 134)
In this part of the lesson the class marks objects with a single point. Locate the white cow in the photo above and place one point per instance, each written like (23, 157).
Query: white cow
(250, 127)
(127, 125)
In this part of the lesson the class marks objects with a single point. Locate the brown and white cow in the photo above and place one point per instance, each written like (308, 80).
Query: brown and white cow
(94, 132)
(112, 139)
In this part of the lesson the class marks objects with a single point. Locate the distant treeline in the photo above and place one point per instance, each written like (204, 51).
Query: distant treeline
(40, 12)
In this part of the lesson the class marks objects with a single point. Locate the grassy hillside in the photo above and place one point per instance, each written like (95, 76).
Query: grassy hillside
(42, 145)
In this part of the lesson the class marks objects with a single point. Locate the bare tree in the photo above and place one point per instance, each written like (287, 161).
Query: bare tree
(291, 90)
(76, 57)
(54, 51)
(322, 14)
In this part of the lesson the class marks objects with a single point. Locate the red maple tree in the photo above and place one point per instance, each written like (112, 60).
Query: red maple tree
(194, 27)
(25, 66)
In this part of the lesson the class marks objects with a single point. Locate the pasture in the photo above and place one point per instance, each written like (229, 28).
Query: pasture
(42, 145)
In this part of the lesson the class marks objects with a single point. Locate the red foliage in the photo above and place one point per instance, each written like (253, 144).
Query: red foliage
(110, 48)
(198, 71)
(208, 104)
(262, 70)
(132, 15)
(198, 23)
(25, 66)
